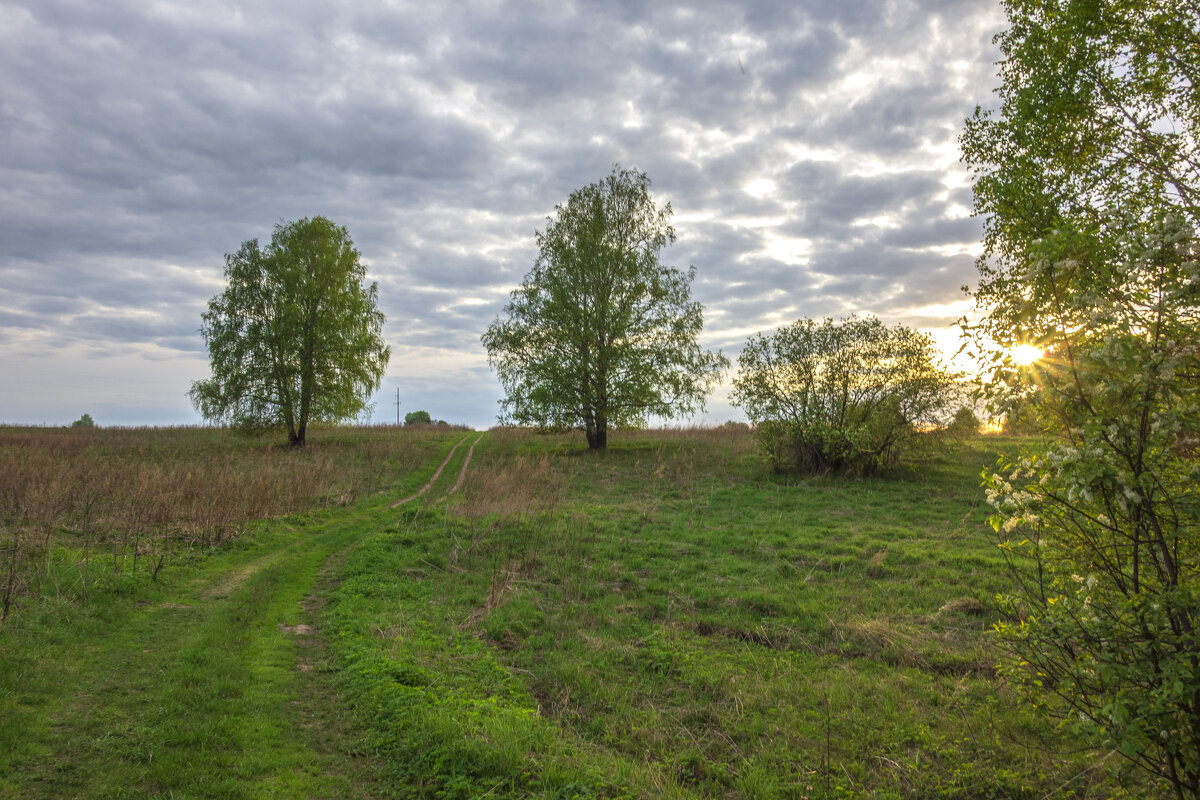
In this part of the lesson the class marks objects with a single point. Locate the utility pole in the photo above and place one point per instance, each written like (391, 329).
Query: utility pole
(397, 406)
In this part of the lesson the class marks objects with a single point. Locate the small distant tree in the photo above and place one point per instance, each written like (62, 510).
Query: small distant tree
(84, 422)
(965, 423)
(849, 396)
(295, 337)
(417, 418)
(600, 333)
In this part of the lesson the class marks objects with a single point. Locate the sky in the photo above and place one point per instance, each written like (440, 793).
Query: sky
(808, 150)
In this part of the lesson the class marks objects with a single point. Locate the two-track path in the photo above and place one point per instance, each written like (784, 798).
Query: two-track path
(216, 687)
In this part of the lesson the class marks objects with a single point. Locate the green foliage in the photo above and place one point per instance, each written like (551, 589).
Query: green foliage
(1104, 524)
(84, 422)
(418, 418)
(1020, 413)
(965, 423)
(1099, 111)
(295, 337)
(1087, 177)
(599, 332)
(848, 396)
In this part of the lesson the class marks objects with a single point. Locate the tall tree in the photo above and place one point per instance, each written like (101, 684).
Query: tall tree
(296, 336)
(600, 333)
(1100, 110)
(1088, 177)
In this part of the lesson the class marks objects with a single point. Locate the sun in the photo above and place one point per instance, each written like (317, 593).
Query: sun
(1026, 354)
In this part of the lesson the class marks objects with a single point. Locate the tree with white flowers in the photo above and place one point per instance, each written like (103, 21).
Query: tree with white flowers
(1087, 179)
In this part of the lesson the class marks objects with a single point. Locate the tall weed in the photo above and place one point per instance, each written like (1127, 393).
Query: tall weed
(106, 502)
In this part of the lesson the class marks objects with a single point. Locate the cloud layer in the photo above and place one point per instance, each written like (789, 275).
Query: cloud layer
(808, 151)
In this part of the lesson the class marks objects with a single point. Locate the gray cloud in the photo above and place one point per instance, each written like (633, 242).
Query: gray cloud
(807, 149)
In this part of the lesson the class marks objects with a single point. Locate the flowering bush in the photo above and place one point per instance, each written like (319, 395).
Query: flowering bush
(1103, 524)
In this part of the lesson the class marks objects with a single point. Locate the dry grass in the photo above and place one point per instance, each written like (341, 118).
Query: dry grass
(132, 496)
(506, 486)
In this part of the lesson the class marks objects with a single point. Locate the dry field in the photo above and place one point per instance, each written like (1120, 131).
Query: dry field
(81, 507)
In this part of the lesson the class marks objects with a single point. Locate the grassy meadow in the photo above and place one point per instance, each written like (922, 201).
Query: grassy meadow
(670, 619)
(664, 619)
(84, 509)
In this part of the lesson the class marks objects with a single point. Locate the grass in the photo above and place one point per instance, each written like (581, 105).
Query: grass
(669, 619)
(664, 619)
(207, 683)
(86, 509)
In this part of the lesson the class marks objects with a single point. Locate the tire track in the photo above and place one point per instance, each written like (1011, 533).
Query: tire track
(202, 664)
(437, 474)
(462, 473)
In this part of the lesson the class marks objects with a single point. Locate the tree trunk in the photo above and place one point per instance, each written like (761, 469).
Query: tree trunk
(597, 434)
(307, 357)
(296, 435)
(598, 419)
(289, 419)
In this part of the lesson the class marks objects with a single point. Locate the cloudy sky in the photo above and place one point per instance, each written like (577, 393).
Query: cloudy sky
(808, 150)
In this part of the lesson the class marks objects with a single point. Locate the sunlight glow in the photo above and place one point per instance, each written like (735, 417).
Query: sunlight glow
(1026, 354)
(759, 188)
(785, 249)
(995, 425)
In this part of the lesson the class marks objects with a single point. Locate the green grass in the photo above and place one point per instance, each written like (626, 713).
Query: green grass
(664, 619)
(198, 685)
(669, 619)
(87, 510)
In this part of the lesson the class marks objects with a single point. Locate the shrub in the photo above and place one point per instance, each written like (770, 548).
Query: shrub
(418, 418)
(849, 396)
(965, 423)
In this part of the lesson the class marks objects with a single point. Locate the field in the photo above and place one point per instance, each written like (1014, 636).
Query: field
(664, 619)
(81, 507)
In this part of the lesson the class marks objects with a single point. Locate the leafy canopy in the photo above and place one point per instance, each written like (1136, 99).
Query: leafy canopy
(418, 418)
(600, 333)
(1099, 111)
(295, 337)
(1087, 177)
(848, 396)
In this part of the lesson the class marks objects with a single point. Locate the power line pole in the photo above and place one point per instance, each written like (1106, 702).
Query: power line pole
(397, 406)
